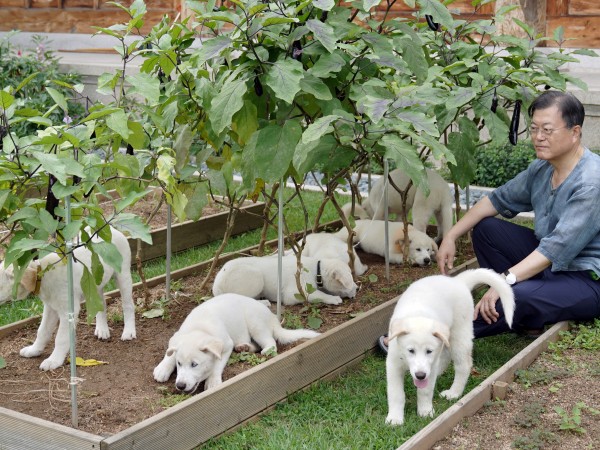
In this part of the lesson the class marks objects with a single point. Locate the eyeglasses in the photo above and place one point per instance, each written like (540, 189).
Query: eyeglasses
(547, 132)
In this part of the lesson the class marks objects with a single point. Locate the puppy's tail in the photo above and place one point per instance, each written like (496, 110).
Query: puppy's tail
(472, 278)
(285, 336)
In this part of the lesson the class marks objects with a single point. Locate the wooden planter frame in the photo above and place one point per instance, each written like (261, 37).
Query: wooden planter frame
(247, 395)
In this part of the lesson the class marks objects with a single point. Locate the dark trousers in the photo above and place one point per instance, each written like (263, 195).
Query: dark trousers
(547, 298)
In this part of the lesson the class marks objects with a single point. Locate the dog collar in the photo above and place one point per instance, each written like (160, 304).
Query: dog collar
(38, 280)
(319, 277)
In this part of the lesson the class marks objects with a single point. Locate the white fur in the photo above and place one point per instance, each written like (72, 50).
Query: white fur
(201, 347)
(54, 295)
(329, 245)
(370, 236)
(438, 203)
(432, 324)
(256, 277)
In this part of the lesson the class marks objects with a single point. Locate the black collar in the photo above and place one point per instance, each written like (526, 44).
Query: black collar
(319, 277)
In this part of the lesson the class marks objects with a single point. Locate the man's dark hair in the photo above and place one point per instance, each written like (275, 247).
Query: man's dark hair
(570, 107)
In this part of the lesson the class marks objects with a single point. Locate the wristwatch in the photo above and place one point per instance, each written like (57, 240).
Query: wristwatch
(510, 277)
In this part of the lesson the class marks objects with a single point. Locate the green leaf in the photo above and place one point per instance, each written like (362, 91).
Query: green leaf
(316, 87)
(109, 254)
(132, 225)
(327, 65)
(438, 11)
(316, 152)
(93, 302)
(325, 5)
(6, 100)
(182, 145)
(146, 85)
(60, 167)
(314, 322)
(283, 77)
(58, 98)
(245, 122)
(226, 103)
(197, 199)
(212, 48)
(118, 123)
(130, 199)
(317, 129)
(404, 154)
(279, 20)
(2, 363)
(463, 145)
(272, 150)
(323, 33)
(154, 313)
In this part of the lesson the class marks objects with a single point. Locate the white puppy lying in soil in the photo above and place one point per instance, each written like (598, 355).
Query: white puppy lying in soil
(53, 293)
(201, 347)
(432, 324)
(256, 277)
(329, 245)
(370, 237)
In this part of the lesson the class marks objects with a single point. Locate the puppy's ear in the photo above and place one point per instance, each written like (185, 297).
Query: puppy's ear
(397, 329)
(214, 346)
(443, 334)
(340, 277)
(29, 278)
(171, 350)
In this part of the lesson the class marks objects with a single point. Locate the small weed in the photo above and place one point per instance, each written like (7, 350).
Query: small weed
(536, 440)
(116, 317)
(585, 336)
(254, 359)
(291, 320)
(537, 374)
(571, 421)
(529, 417)
(169, 399)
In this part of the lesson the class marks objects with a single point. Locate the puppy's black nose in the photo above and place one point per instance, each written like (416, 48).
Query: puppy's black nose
(180, 386)
(420, 375)
(427, 261)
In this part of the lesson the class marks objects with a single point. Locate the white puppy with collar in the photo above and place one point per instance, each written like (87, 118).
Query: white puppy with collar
(256, 277)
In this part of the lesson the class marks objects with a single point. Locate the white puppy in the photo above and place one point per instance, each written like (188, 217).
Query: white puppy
(329, 245)
(256, 277)
(432, 324)
(201, 347)
(369, 235)
(53, 293)
(438, 203)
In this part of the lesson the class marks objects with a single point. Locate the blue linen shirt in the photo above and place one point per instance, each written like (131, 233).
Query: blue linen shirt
(567, 219)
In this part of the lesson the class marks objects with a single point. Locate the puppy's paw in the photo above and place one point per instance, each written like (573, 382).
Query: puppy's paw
(246, 347)
(162, 373)
(128, 335)
(427, 411)
(212, 382)
(31, 351)
(269, 350)
(450, 394)
(102, 333)
(51, 364)
(394, 420)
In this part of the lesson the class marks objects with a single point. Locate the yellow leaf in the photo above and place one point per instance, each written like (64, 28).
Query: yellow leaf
(79, 361)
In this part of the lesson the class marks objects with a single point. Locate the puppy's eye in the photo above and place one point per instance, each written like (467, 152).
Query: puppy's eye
(429, 351)
(411, 351)
(178, 364)
(418, 249)
(194, 364)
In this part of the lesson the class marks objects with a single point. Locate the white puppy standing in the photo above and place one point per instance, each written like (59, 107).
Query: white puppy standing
(53, 293)
(256, 277)
(437, 204)
(369, 235)
(201, 347)
(431, 325)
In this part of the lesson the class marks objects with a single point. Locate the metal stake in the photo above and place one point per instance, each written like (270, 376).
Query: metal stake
(72, 319)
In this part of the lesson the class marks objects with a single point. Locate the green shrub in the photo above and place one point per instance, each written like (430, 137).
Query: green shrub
(496, 164)
(29, 73)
